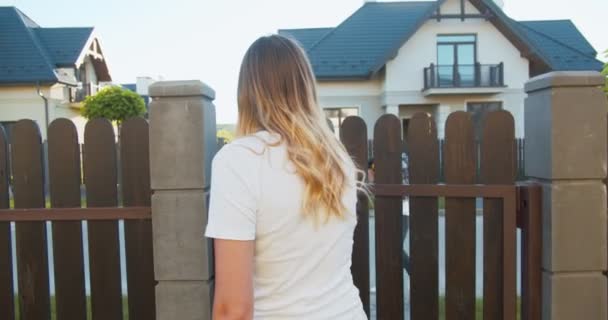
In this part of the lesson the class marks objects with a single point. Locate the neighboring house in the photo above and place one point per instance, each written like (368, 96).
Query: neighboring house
(436, 57)
(141, 87)
(45, 73)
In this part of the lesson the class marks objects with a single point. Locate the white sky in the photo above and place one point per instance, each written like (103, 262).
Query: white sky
(205, 39)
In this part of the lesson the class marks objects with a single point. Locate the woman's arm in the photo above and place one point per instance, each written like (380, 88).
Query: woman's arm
(233, 298)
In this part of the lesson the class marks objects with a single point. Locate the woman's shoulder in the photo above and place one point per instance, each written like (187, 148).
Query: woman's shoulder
(247, 147)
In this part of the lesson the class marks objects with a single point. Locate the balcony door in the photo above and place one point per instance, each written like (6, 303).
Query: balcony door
(456, 58)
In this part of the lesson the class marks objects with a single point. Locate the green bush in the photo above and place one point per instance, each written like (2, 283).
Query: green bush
(115, 104)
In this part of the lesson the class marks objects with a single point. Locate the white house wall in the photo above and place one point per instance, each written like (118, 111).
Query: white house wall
(400, 86)
(23, 102)
(404, 74)
(91, 74)
(366, 96)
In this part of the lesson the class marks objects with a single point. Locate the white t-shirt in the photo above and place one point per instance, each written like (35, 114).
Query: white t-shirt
(301, 271)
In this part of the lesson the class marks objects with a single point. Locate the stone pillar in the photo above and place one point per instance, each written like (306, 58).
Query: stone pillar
(565, 125)
(182, 144)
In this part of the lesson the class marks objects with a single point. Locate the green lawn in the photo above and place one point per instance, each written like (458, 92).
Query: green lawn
(478, 308)
(47, 202)
(125, 311)
(125, 308)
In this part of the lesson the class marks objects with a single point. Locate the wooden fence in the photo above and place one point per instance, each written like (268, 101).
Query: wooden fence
(21, 167)
(506, 206)
(520, 144)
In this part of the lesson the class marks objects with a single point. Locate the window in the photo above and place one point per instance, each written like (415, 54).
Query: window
(478, 111)
(456, 58)
(337, 115)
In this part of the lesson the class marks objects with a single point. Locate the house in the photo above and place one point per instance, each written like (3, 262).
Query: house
(436, 57)
(141, 87)
(45, 73)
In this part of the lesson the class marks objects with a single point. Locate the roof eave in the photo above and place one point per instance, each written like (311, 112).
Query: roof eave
(85, 48)
(27, 82)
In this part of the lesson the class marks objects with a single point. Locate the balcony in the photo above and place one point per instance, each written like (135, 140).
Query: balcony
(77, 95)
(463, 79)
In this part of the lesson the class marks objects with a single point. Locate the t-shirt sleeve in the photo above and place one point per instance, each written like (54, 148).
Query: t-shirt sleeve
(233, 200)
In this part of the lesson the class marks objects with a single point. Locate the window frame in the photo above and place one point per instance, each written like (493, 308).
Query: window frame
(455, 45)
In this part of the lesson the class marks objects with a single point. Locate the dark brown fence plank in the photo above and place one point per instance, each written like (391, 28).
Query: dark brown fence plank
(424, 169)
(64, 182)
(531, 243)
(100, 176)
(389, 265)
(7, 307)
(354, 137)
(460, 160)
(138, 233)
(32, 262)
(498, 167)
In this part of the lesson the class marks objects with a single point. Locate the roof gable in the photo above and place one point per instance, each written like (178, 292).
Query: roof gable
(364, 42)
(31, 54)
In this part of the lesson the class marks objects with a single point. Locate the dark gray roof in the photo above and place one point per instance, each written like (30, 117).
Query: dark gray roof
(563, 31)
(561, 45)
(30, 54)
(364, 42)
(307, 37)
(64, 45)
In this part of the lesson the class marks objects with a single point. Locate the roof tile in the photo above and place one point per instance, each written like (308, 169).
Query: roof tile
(29, 53)
(370, 37)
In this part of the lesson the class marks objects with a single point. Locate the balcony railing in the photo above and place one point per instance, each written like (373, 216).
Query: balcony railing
(464, 76)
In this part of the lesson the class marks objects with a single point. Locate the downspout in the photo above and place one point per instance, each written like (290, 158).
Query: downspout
(46, 106)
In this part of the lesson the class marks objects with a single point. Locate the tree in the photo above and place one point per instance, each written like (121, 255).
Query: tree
(115, 104)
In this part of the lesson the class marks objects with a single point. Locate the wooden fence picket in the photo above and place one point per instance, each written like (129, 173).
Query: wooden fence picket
(498, 166)
(353, 135)
(388, 211)
(424, 250)
(31, 237)
(460, 158)
(100, 172)
(7, 306)
(134, 149)
(64, 183)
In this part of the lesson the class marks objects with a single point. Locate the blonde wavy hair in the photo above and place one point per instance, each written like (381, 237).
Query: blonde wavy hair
(276, 93)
